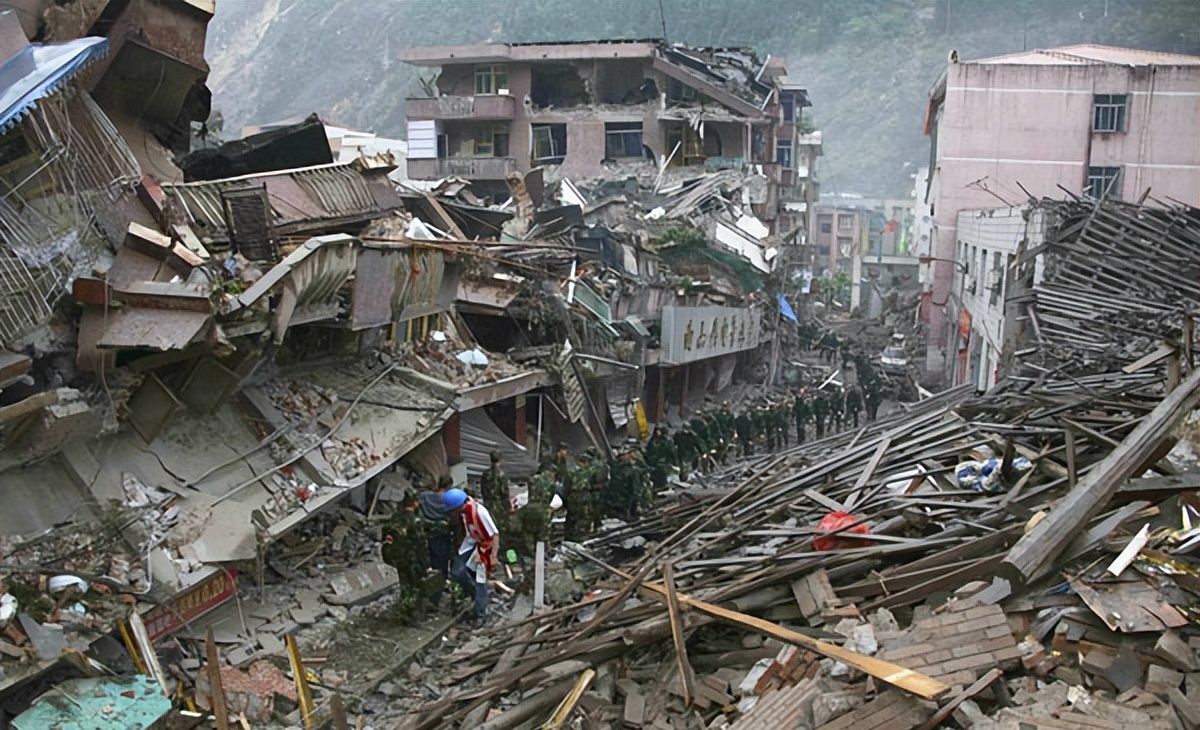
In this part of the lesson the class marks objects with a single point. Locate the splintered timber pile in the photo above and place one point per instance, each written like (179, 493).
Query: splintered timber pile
(745, 557)
(1021, 559)
(1119, 279)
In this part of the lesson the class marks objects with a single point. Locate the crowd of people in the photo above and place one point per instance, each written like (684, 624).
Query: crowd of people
(419, 539)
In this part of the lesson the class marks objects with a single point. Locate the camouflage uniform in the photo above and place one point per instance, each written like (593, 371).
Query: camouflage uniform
(853, 403)
(744, 424)
(578, 500)
(687, 450)
(404, 548)
(834, 401)
(819, 408)
(660, 456)
(533, 520)
(493, 488)
(802, 412)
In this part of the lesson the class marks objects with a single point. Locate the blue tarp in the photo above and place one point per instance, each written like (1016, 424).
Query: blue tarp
(786, 310)
(97, 703)
(40, 69)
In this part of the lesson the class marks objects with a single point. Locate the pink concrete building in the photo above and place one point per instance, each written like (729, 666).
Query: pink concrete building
(593, 109)
(1087, 119)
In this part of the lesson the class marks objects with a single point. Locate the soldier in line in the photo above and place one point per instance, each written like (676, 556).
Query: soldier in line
(802, 412)
(687, 450)
(820, 408)
(533, 520)
(835, 403)
(728, 422)
(781, 414)
(746, 432)
(493, 489)
(873, 398)
(629, 484)
(578, 499)
(853, 403)
(660, 456)
(763, 422)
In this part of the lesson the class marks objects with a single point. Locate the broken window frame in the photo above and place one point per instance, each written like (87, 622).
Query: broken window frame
(783, 154)
(845, 222)
(549, 145)
(491, 79)
(1103, 180)
(826, 226)
(681, 93)
(691, 146)
(1108, 113)
(493, 139)
(623, 140)
(787, 108)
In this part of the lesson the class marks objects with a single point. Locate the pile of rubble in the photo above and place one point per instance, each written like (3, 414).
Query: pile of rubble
(1019, 559)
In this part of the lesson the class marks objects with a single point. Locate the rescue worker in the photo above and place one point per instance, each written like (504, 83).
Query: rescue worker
(493, 489)
(819, 410)
(853, 403)
(660, 456)
(687, 450)
(533, 520)
(835, 404)
(578, 500)
(404, 548)
(744, 424)
(438, 532)
(479, 552)
(802, 412)
(873, 397)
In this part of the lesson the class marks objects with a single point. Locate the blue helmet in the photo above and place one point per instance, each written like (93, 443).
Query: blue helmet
(454, 498)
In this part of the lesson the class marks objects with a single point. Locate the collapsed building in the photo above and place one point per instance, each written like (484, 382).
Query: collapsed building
(202, 354)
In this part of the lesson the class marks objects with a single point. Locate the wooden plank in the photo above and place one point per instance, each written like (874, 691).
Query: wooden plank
(303, 691)
(894, 674)
(567, 706)
(1035, 553)
(868, 471)
(216, 691)
(1072, 473)
(686, 679)
(1150, 359)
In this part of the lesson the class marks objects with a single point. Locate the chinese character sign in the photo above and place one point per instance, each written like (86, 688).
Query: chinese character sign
(697, 333)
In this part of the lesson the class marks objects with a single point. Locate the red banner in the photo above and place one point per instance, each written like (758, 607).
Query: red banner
(191, 604)
(964, 329)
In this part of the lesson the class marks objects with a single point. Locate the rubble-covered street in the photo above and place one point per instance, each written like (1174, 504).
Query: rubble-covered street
(576, 402)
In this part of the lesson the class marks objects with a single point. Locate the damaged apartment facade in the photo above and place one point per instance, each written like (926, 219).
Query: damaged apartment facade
(606, 109)
(1089, 120)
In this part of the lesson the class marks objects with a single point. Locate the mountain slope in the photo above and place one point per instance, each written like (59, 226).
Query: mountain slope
(868, 64)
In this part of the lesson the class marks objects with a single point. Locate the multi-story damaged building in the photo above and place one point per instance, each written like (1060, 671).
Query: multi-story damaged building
(587, 110)
(1078, 120)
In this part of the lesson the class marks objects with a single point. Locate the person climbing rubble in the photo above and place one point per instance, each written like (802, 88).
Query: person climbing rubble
(479, 552)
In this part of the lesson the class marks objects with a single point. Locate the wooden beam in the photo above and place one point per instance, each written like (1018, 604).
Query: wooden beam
(303, 691)
(948, 709)
(686, 680)
(1072, 473)
(869, 470)
(906, 679)
(216, 691)
(1036, 551)
(567, 706)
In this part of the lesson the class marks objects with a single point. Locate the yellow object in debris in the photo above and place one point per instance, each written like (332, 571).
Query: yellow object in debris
(639, 416)
(300, 676)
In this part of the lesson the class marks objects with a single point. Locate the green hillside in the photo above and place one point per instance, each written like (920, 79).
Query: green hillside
(867, 63)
